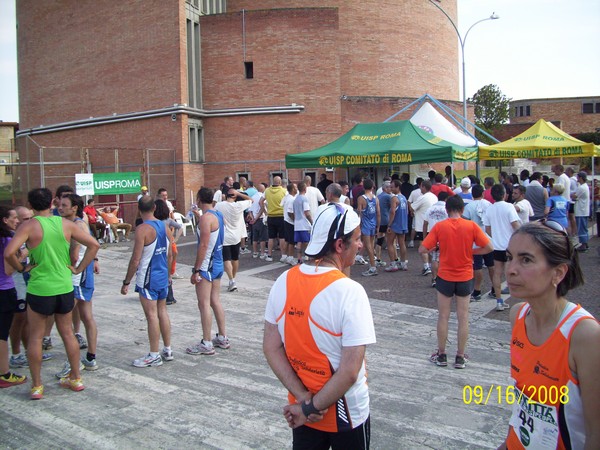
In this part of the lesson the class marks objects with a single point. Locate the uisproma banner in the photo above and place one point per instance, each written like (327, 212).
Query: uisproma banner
(107, 183)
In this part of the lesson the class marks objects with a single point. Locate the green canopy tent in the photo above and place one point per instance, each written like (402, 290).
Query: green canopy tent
(376, 144)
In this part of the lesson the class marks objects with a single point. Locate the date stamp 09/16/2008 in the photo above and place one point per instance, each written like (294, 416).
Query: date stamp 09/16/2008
(498, 394)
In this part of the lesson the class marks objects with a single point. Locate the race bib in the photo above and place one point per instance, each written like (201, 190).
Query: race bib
(535, 424)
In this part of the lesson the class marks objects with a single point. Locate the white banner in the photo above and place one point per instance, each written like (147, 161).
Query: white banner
(84, 184)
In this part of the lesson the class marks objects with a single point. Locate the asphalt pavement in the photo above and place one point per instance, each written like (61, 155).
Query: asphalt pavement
(233, 401)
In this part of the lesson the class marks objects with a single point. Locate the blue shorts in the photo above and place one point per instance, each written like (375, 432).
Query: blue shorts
(302, 236)
(368, 230)
(153, 294)
(83, 293)
(211, 275)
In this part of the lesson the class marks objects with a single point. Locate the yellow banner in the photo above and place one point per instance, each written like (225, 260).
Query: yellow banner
(531, 152)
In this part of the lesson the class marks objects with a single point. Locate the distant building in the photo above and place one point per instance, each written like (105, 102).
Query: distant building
(188, 91)
(7, 156)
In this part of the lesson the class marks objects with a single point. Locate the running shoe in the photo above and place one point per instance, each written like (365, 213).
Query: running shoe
(148, 361)
(66, 370)
(460, 362)
(501, 306)
(492, 294)
(18, 361)
(433, 283)
(393, 267)
(291, 261)
(439, 359)
(47, 357)
(283, 259)
(12, 380)
(476, 298)
(37, 392)
(201, 348)
(81, 341)
(221, 342)
(370, 273)
(171, 301)
(245, 251)
(380, 263)
(176, 276)
(232, 286)
(404, 266)
(47, 343)
(75, 385)
(89, 365)
(505, 291)
(360, 260)
(267, 258)
(410, 244)
(426, 271)
(255, 255)
(167, 354)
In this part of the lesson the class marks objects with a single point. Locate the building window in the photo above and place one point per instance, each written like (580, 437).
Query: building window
(590, 108)
(523, 111)
(249, 68)
(196, 141)
(8, 170)
(194, 68)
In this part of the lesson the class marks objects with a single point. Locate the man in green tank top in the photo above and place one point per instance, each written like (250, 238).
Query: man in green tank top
(50, 288)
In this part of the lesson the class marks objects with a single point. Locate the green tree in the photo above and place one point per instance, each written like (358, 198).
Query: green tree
(491, 110)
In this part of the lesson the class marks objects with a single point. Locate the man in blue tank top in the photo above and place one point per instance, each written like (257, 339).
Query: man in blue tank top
(206, 276)
(150, 262)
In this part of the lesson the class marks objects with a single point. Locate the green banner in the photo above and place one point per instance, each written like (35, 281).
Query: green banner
(117, 183)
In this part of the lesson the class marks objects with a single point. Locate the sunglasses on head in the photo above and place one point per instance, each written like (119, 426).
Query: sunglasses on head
(555, 226)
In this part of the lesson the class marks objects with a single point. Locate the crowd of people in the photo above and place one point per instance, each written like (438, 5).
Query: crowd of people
(318, 320)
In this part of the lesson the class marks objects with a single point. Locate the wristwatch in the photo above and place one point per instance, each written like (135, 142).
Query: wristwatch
(195, 271)
(308, 409)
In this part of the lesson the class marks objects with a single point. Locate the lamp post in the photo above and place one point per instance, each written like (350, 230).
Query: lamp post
(462, 41)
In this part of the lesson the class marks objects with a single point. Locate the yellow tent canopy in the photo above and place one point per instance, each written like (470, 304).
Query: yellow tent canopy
(541, 140)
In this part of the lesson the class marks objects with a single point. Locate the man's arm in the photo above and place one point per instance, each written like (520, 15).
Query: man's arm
(393, 207)
(308, 216)
(515, 225)
(360, 205)
(204, 226)
(83, 237)
(136, 256)
(11, 258)
(342, 380)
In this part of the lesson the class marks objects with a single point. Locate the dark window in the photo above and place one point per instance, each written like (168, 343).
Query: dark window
(588, 108)
(597, 108)
(249, 68)
(528, 110)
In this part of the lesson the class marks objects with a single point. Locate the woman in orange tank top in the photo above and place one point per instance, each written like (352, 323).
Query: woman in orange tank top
(555, 345)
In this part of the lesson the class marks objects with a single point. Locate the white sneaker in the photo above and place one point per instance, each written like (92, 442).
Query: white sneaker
(148, 361)
(360, 260)
(232, 287)
(501, 306)
(267, 258)
(255, 255)
(370, 273)
(176, 276)
(411, 244)
(291, 261)
(283, 259)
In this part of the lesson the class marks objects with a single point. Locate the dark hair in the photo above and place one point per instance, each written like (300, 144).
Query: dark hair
(438, 177)
(557, 250)
(5, 231)
(498, 192)
(301, 186)
(455, 204)
(431, 174)
(205, 195)
(443, 196)
(477, 191)
(290, 187)
(90, 201)
(396, 183)
(40, 199)
(535, 176)
(524, 174)
(76, 201)
(236, 185)
(368, 184)
(418, 181)
(62, 189)
(474, 180)
(405, 177)
(161, 210)
(343, 183)
(520, 188)
(357, 178)
(250, 183)
(160, 191)
(488, 181)
(145, 203)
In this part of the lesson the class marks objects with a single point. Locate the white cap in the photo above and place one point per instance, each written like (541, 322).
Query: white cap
(332, 223)
(466, 182)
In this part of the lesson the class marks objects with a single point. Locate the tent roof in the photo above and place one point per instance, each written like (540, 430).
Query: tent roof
(541, 140)
(429, 119)
(372, 144)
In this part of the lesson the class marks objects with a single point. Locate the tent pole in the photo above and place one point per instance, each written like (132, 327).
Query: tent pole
(594, 214)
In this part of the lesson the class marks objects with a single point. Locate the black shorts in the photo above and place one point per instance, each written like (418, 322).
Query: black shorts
(383, 228)
(259, 232)
(52, 304)
(452, 288)
(500, 256)
(8, 307)
(288, 232)
(275, 225)
(571, 208)
(478, 261)
(305, 438)
(231, 252)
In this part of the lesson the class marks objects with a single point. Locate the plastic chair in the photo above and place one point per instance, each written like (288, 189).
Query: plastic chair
(185, 223)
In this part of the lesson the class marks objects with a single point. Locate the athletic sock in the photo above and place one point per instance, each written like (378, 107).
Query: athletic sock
(154, 354)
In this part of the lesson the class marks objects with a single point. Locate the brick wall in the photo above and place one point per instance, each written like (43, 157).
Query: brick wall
(567, 111)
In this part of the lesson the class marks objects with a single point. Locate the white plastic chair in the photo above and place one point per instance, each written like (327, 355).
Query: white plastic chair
(184, 223)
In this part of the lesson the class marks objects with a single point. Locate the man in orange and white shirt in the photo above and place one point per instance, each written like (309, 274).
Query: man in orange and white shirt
(318, 323)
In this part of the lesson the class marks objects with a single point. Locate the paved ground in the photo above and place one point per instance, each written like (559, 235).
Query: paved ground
(233, 401)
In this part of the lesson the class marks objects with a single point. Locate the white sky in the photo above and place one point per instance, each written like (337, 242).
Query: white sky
(537, 49)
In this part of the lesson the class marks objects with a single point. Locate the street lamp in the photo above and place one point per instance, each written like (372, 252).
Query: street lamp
(462, 41)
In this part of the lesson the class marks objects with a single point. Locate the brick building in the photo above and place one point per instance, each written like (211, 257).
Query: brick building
(188, 91)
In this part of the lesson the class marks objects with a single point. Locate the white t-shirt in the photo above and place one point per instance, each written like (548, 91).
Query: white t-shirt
(314, 197)
(300, 206)
(500, 217)
(255, 208)
(233, 216)
(340, 316)
(525, 210)
(287, 204)
(565, 181)
(582, 205)
(218, 197)
(435, 213)
(343, 199)
(420, 206)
